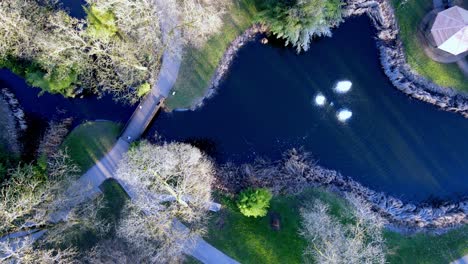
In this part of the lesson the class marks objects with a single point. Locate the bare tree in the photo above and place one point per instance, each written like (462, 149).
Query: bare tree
(165, 182)
(85, 217)
(117, 50)
(131, 57)
(9, 133)
(155, 238)
(201, 19)
(28, 196)
(55, 244)
(16, 31)
(65, 49)
(111, 251)
(53, 137)
(160, 172)
(25, 252)
(331, 241)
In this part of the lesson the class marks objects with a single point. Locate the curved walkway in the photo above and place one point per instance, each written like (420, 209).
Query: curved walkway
(136, 126)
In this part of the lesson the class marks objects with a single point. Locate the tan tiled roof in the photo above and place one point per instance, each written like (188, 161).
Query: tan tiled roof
(450, 30)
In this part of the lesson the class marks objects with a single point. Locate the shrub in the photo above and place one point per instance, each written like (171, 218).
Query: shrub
(254, 202)
(143, 89)
(102, 23)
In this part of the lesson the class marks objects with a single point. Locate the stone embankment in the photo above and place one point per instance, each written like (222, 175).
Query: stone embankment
(15, 108)
(392, 58)
(297, 171)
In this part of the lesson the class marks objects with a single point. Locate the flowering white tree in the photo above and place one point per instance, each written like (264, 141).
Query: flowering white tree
(331, 241)
(165, 182)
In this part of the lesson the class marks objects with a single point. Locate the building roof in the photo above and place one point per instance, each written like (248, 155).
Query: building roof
(450, 30)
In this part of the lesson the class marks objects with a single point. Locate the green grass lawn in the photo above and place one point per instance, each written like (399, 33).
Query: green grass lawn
(90, 141)
(115, 199)
(250, 240)
(198, 65)
(423, 248)
(409, 16)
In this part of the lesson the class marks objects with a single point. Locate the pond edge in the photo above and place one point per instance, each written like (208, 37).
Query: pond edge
(392, 59)
(297, 171)
(403, 215)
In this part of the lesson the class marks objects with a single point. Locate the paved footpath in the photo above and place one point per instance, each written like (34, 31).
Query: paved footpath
(136, 126)
(463, 260)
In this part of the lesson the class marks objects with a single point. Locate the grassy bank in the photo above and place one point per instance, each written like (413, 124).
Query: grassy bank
(409, 16)
(90, 141)
(199, 65)
(423, 248)
(250, 240)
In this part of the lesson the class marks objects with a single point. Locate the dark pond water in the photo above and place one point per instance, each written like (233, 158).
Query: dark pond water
(74, 7)
(266, 106)
(41, 109)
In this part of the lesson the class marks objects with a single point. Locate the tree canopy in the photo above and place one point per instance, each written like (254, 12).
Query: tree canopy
(298, 21)
(357, 238)
(254, 202)
(117, 49)
(167, 183)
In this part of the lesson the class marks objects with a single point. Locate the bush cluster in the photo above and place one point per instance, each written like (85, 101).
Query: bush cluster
(254, 202)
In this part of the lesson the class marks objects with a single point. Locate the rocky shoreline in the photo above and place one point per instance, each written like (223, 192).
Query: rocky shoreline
(392, 58)
(291, 177)
(15, 108)
(297, 171)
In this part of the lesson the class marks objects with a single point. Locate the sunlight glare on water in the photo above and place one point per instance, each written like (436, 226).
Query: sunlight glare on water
(343, 87)
(343, 115)
(320, 100)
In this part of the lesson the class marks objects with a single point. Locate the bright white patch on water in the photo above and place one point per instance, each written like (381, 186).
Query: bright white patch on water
(343, 115)
(320, 100)
(343, 87)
